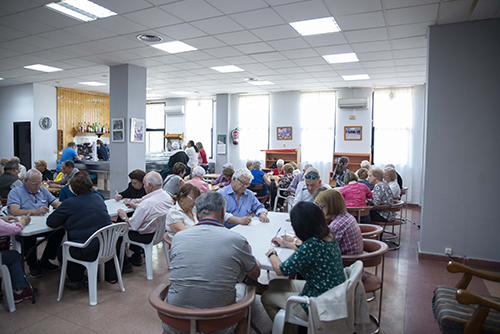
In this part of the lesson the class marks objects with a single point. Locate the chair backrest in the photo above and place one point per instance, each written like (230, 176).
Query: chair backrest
(206, 320)
(370, 231)
(363, 211)
(108, 236)
(374, 250)
(159, 224)
(257, 186)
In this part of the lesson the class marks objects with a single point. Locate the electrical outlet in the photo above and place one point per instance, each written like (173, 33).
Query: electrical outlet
(448, 251)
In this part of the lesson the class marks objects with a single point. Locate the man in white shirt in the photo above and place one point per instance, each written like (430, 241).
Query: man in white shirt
(297, 179)
(22, 169)
(311, 183)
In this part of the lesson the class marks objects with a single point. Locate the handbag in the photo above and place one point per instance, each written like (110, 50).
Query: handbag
(4, 243)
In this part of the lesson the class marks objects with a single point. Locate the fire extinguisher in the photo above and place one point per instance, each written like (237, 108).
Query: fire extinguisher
(235, 136)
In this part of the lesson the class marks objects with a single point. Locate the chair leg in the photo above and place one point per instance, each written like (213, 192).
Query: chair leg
(165, 250)
(118, 273)
(62, 279)
(102, 271)
(7, 288)
(148, 254)
(92, 271)
(279, 322)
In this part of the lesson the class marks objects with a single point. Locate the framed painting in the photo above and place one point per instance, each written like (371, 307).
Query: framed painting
(284, 133)
(353, 132)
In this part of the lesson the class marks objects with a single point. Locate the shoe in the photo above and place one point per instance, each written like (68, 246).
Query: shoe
(25, 294)
(136, 260)
(47, 265)
(72, 284)
(127, 268)
(36, 272)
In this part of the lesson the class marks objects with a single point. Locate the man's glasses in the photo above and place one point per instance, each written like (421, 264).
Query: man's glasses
(311, 177)
(35, 183)
(243, 183)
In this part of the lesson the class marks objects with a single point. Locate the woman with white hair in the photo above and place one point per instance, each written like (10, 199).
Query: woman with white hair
(279, 168)
(259, 177)
(197, 179)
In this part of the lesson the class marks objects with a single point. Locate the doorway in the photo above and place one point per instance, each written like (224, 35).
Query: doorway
(22, 142)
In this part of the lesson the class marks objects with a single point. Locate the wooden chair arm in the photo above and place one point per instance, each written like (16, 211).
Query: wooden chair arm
(475, 322)
(454, 267)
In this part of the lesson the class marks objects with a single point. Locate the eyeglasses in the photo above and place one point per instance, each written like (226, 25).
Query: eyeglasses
(35, 183)
(311, 177)
(243, 183)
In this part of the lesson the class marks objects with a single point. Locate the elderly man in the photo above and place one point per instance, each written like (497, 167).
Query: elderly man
(69, 170)
(154, 204)
(241, 201)
(193, 281)
(32, 199)
(312, 182)
(9, 179)
(22, 169)
(296, 179)
(69, 153)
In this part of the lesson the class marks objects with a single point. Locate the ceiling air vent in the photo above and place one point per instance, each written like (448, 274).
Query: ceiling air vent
(149, 38)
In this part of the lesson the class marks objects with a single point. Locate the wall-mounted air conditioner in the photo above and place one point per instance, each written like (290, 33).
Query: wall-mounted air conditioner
(179, 110)
(354, 103)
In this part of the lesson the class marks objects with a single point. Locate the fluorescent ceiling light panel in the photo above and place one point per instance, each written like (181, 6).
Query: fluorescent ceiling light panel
(227, 69)
(356, 77)
(174, 47)
(341, 58)
(261, 83)
(92, 83)
(83, 10)
(316, 26)
(43, 68)
(1, 78)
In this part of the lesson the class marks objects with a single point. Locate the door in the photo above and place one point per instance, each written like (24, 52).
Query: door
(22, 142)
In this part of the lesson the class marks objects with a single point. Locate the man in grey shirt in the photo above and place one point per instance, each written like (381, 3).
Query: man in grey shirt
(69, 170)
(207, 259)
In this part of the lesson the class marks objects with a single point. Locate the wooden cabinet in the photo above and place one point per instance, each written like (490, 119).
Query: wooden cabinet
(354, 162)
(287, 155)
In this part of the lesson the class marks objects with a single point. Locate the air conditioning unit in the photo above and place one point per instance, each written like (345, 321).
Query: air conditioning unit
(354, 103)
(179, 110)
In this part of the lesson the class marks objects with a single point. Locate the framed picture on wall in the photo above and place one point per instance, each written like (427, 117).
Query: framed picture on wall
(118, 130)
(284, 133)
(353, 132)
(137, 130)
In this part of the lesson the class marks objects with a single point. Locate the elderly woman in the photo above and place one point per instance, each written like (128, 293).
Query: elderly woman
(362, 175)
(202, 156)
(390, 177)
(135, 188)
(192, 152)
(225, 178)
(322, 271)
(279, 168)
(382, 195)
(79, 227)
(259, 177)
(284, 183)
(344, 226)
(197, 179)
(175, 180)
(249, 164)
(66, 192)
(340, 171)
(183, 214)
(355, 194)
(41, 165)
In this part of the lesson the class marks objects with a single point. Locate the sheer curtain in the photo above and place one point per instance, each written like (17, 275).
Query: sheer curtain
(317, 118)
(199, 122)
(393, 133)
(253, 113)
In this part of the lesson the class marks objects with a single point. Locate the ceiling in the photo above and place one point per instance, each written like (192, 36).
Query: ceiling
(388, 36)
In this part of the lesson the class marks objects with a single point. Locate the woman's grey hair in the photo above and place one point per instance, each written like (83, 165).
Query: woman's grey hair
(365, 164)
(313, 172)
(31, 172)
(256, 164)
(154, 179)
(280, 162)
(319, 191)
(198, 171)
(243, 172)
(211, 201)
(175, 145)
(227, 164)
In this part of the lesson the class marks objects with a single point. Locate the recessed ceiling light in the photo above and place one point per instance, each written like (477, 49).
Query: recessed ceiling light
(43, 68)
(181, 92)
(92, 83)
(1, 78)
(149, 38)
(83, 10)
(227, 69)
(356, 77)
(174, 47)
(316, 26)
(341, 58)
(260, 82)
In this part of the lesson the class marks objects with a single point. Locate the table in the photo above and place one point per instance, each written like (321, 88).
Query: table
(259, 237)
(211, 176)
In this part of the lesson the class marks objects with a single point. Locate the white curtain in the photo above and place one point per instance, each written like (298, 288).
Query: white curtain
(393, 133)
(199, 122)
(317, 118)
(254, 127)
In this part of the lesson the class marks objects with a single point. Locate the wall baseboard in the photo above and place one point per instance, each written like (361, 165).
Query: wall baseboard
(484, 264)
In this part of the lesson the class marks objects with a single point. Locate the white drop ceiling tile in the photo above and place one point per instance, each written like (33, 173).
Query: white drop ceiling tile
(190, 10)
(274, 33)
(122, 43)
(238, 60)
(148, 51)
(153, 18)
(304, 77)
(72, 51)
(124, 6)
(410, 53)
(409, 43)
(104, 59)
(20, 47)
(412, 15)
(211, 62)
(90, 31)
(255, 67)
(371, 46)
(302, 53)
(268, 56)
(223, 52)
(316, 68)
(378, 63)
(40, 42)
(27, 59)
(410, 68)
(409, 30)
(411, 61)
(4, 53)
(238, 37)
(9, 33)
(485, 9)
(328, 50)
(218, 25)
(188, 66)
(51, 55)
(195, 56)
(457, 11)
(205, 42)
(258, 18)
(380, 55)
(289, 44)
(290, 70)
(412, 81)
(49, 17)
(411, 74)
(95, 47)
(385, 82)
(376, 76)
(310, 61)
(17, 72)
(252, 48)
(391, 4)
(279, 64)
(366, 35)
(302, 11)
(347, 66)
(25, 24)
(63, 37)
(77, 62)
(325, 39)
(236, 6)
(327, 76)
(17, 6)
(202, 71)
(342, 7)
(180, 31)
(378, 70)
(118, 25)
(361, 21)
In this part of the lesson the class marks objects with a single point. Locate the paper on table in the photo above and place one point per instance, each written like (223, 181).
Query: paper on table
(255, 221)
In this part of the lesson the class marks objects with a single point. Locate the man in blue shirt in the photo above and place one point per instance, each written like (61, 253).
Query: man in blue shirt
(35, 200)
(241, 201)
(69, 153)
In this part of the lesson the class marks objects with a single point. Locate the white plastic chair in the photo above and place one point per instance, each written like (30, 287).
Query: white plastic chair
(7, 286)
(107, 236)
(278, 195)
(355, 270)
(159, 225)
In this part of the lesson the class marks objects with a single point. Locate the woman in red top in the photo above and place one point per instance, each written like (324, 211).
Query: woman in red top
(279, 170)
(355, 193)
(202, 156)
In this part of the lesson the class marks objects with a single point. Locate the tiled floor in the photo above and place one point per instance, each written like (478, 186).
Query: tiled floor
(406, 304)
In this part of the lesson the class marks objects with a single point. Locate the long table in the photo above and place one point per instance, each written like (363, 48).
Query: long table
(259, 237)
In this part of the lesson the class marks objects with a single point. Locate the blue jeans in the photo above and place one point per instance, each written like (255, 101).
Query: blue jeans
(12, 259)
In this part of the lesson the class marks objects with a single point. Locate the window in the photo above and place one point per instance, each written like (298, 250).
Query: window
(254, 126)
(155, 127)
(199, 116)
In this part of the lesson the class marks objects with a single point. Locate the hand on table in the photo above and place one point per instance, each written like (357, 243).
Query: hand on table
(283, 243)
(288, 238)
(244, 220)
(131, 203)
(118, 197)
(42, 210)
(25, 220)
(263, 218)
(8, 219)
(271, 250)
(122, 214)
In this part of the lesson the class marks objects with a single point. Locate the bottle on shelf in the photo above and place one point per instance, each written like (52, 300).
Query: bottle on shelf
(99, 127)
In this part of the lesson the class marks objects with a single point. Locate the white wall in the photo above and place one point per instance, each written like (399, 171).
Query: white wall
(285, 111)
(461, 152)
(44, 141)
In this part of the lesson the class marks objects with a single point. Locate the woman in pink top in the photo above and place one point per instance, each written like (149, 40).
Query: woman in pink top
(197, 174)
(355, 194)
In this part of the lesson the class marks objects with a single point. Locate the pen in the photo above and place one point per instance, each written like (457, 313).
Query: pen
(29, 214)
(247, 212)
(277, 232)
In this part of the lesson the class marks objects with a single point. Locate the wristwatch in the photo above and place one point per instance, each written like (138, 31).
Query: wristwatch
(271, 254)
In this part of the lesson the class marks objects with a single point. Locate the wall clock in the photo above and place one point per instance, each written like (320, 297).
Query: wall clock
(45, 123)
